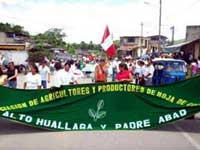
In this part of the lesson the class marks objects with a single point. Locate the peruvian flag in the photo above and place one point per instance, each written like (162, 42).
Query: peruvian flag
(107, 43)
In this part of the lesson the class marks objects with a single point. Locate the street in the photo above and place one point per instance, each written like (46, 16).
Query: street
(70, 52)
(183, 135)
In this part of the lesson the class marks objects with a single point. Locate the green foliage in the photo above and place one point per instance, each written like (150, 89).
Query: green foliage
(71, 49)
(91, 47)
(6, 27)
(83, 45)
(38, 56)
(51, 38)
(117, 43)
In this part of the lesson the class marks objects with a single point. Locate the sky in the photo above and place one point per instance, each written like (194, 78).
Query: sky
(85, 20)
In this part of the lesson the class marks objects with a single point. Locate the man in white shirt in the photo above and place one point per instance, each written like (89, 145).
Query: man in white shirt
(149, 70)
(115, 68)
(69, 76)
(139, 72)
(45, 74)
(77, 72)
(62, 76)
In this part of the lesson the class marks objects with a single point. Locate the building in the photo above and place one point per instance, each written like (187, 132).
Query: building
(192, 44)
(192, 32)
(10, 37)
(130, 45)
(14, 47)
(188, 47)
(12, 41)
(134, 45)
(154, 42)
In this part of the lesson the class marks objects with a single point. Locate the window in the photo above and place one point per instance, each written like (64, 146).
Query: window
(131, 40)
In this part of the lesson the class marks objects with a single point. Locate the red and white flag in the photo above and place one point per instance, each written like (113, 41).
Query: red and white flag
(107, 43)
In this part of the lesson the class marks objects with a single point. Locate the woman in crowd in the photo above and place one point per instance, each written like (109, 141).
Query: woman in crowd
(194, 65)
(3, 77)
(198, 62)
(78, 74)
(124, 74)
(12, 73)
(33, 78)
(101, 71)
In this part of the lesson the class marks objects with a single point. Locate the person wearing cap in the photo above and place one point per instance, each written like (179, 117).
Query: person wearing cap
(45, 74)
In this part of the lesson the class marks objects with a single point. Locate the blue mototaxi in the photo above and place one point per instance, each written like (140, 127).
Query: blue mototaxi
(168, 71)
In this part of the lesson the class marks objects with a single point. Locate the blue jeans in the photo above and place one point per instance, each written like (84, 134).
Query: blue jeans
(44, 84)
(12, 84)
(148, 82)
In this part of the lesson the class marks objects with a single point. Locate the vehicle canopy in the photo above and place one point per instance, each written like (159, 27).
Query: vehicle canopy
(168, 71)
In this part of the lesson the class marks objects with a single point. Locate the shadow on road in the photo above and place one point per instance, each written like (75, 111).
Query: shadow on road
(190, 126)
(10, 127)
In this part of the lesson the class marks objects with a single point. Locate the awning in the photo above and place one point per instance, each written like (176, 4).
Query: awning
(175, 48)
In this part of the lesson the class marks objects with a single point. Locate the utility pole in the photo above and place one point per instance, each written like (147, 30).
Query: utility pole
(172, 28)
(141, 38)
(160, 23)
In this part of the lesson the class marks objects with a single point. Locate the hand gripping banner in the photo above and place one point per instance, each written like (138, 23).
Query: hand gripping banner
(107, 106)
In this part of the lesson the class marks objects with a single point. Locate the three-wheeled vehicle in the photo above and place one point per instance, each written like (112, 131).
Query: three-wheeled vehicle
(168, 71)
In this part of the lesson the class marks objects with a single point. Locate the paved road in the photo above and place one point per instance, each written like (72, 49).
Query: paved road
(184, 135)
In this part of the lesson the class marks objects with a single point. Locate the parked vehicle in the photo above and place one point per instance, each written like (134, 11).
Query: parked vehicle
(168, 71)
(19, 57)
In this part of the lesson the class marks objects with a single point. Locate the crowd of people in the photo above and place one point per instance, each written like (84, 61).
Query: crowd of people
(39, 75)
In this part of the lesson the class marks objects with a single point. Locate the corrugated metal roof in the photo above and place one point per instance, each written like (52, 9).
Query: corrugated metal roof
(176, 48)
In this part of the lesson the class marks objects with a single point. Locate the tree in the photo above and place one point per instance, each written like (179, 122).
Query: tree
(53, 37)
(38, 56)
(117, 43)
(17, 29)
(91, 46)
(6, 27)
(83, 45)
(71, 49)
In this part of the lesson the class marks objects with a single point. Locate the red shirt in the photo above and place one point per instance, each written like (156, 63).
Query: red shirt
(123, 75)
